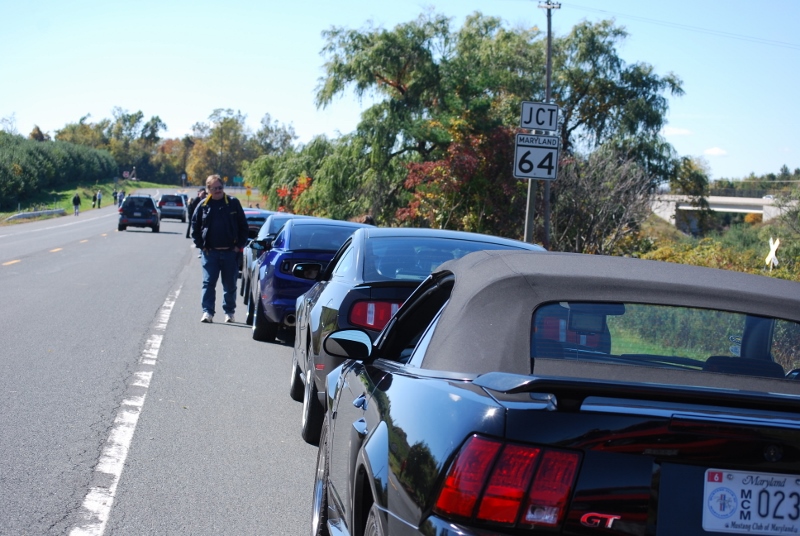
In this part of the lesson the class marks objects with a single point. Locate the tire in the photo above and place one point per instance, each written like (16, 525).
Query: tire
(319, 503)
(373, 527)
(295, 383)
(121, 227)
(312, 411)
(156, 228)
(251, 309)
(263, 330)
(183, 220)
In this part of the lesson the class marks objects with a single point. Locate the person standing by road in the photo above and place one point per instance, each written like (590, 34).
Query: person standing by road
(99, 198)
(201, 194)
(219, 230)
(76, 203)
(121, 197)
(94, 199)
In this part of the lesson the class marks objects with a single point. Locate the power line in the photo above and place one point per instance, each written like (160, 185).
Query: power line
(697, 29)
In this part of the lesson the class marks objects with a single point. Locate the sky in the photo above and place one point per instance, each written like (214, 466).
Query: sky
(180, 60)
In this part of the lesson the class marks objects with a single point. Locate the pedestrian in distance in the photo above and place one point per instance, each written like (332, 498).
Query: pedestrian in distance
(99, 198)
(120, 198)
(76, 203)
(219, 231)
(114, 195)
(94, 199)
(201, 194)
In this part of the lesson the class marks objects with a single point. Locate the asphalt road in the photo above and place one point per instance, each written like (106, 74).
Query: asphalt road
(120, 413)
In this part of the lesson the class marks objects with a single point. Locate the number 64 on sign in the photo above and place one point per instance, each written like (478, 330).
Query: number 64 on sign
(536, 157)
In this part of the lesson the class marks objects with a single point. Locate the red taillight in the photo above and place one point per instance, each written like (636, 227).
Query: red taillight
(373, 314)
(466, 477)
(551, 488)
(508, 483)
(161, 203)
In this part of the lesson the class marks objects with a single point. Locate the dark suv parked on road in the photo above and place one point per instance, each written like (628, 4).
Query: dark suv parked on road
(139, 211)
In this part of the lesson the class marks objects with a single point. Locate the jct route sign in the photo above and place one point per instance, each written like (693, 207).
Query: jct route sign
(536, 157)
(538, 116)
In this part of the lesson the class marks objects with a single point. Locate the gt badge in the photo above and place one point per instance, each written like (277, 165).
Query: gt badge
(593, 519)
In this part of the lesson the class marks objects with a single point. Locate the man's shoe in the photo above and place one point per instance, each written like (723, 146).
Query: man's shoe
(229, 319)
(207, 318)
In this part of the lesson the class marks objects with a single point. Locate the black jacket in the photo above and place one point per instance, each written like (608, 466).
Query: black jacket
(234, 223)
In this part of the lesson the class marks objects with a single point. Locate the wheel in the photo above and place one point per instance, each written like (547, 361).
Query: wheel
(373, 527)
(156, 228)
(295, 383)
(251, 309)
(312, 411)
(263, 330)
(183, 220)
(319, 504)
(121, 227)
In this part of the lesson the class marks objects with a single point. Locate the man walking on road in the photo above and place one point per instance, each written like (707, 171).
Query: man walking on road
(76, 203)
(219, 231)
(201, 194)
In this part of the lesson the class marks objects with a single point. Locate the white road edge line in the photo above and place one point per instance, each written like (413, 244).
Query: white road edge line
(96, 507)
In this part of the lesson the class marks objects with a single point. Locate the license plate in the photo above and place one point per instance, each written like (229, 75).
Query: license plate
(137, 213)
(740, 502)
(170, 204)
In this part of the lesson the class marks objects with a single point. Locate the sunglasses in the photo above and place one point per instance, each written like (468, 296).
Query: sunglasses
(216, 188)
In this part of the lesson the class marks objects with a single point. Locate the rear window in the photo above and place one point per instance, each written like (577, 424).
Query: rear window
(667, 337)
(138, 203)
(318, 237)
(172, 199)
(407, 258)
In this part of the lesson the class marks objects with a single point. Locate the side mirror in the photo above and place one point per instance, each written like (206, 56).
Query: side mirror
(307, 270)
(348, 344)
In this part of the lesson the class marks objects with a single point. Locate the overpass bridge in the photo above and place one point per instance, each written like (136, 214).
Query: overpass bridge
(667, 206)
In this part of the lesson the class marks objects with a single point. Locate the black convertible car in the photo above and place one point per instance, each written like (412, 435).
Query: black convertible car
(526, 393)
(373, 272)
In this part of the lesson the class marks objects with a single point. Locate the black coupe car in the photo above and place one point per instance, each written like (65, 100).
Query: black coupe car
(523, 393)
(371, 275)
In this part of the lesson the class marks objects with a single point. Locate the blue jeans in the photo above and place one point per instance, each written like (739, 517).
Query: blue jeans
(215, 262)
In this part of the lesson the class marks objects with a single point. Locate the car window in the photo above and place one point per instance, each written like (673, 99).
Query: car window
(407, 258)
(279, 242)
(344, 264)
(276, 223)
(666, 336)
(406, 328)
(318, 237)
(138, 203)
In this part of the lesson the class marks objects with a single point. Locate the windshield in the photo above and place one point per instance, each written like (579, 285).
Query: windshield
(666, 336)
(414, 258)
(318, 237)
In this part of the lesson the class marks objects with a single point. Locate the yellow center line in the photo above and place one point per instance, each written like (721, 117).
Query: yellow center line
(104, 234)
(83, 241)
(9, 263)
(54, 250)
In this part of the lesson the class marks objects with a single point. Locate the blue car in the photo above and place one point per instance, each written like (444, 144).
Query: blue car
(307, 240)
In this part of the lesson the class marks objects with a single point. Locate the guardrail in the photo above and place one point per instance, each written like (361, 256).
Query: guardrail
(37, 213)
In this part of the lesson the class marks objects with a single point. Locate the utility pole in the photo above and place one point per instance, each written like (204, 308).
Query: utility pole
(549, 5)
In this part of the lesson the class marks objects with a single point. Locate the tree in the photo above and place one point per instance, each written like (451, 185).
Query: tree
(471, 189)
(604, 99)
(225, 142)
(37, 134)
(273, 137)
(601, 201)
(85, 133)
(436, 88)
